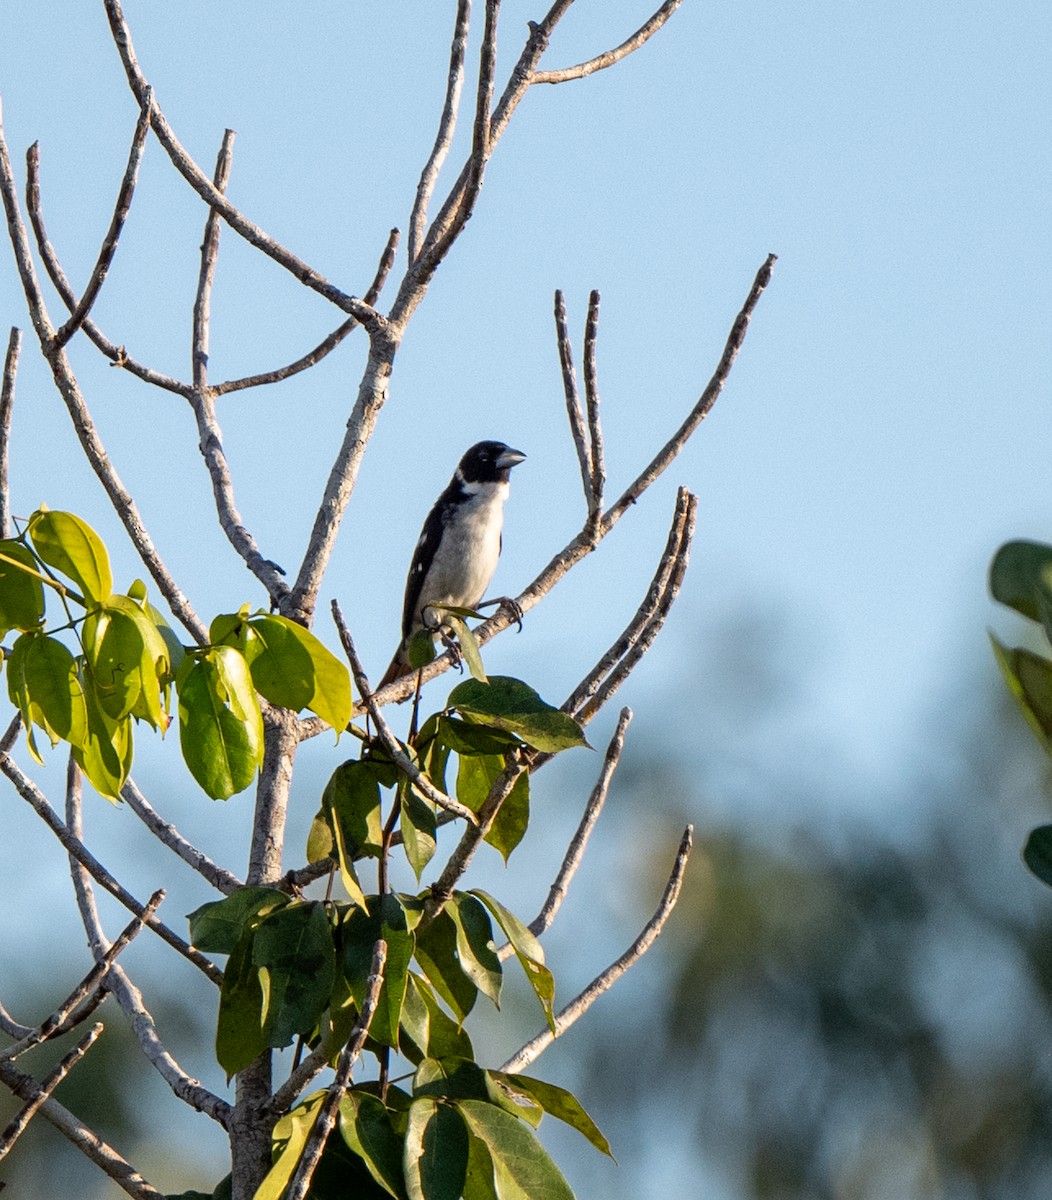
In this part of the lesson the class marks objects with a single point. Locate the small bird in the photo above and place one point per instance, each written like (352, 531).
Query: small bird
(459, 545)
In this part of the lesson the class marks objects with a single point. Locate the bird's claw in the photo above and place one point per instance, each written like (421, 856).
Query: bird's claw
(510, 605)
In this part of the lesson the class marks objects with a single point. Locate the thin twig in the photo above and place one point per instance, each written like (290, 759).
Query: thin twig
(117, 355)
(573, 401)
(208, 192)
(595, 429)
(66, 383)
(86, 1140)
(607, 59)
(74, 846)
(51, 1081)
(446, 127)
(328, 344)
(210, 436)
(219, 877)
(109, 242)
(390, 743)
(579, 843)
(117, 981)
(66, 1016)
(604, 981)
(7, 400)
(330, 1107)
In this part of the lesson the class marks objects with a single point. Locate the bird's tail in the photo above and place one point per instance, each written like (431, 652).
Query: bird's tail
(397, 670)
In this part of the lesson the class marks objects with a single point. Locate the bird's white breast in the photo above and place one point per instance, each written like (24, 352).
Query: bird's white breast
(467, 557)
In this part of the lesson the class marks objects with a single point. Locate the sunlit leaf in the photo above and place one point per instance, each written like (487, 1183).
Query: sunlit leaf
(557, 1102)
(522, 1167)
(105, 755)
(21, 591)
(514, 706)
(469, 647)
(475, 949)
(71, 546)
(295, 670)
(527, 950)
(418, 828)
(220, 724)
(436, 1151)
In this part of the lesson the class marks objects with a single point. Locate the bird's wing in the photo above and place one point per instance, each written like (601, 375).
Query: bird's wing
(423, 555)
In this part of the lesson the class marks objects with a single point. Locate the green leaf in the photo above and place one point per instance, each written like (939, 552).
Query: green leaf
(289, 1139)
(1029, 679)
(71, 546)
(215, 927)
(479, 1183)
(418, 828)
(21, 591)
(366, 1128)
(220, 724)
(436, 1151)
(436, 955)
(557, 1102)
(105, 756)
(295, 670)
(359, 933)
(350, 807)
(451, 1079)
(421, 649)
(239, 1028)
(514, 706)
(43, 682)
(1037, 853)
(430, 1030)
(469, 646)
(522, 1168)
(527, 950)
(466, 738)
(128, 659)
(294, 952)
(476, 775)
(1020, 574)
(475, 950)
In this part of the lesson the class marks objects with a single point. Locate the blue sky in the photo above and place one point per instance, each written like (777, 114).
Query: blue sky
(885, 428)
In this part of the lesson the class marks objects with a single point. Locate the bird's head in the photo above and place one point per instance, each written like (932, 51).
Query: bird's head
(488, 462)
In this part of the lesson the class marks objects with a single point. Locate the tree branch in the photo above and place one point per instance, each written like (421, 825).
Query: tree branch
(117, 981)
(109, 242)
(604, 981)
(7, 400)
(573, 402)
(607, 59)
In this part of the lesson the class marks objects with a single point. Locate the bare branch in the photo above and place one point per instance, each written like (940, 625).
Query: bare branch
(219, 877)
(109, 242)
(330, 1107)
(75, 847)
(446, 127)
(206, 275)
(604, 981)
(117, 355)
(211, 195)
(51, 1081)
(86, 1140)
(637, 637)
(7, 400)
(579, 843)
(573, 401)
(591, 391)
(66, 383)
(607, 59)
(70, 1013)
(117, 981)
(390, 743)
(328, 344)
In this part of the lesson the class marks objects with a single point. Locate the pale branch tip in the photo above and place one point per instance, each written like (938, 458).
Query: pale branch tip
(609, 57)
(7, 400)
(606, 979)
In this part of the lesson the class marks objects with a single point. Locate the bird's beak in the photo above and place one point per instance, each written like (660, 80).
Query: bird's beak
(509, 458)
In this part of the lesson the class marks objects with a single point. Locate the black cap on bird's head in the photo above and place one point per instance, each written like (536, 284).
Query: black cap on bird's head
(488, 462)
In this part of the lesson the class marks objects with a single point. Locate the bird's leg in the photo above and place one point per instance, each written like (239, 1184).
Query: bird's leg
(450, 643)
(416, 708)
(510, 605)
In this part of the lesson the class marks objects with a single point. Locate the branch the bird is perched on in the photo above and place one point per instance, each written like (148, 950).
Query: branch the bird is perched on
(458, 548)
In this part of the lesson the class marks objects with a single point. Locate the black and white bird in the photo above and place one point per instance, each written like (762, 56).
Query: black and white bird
(459, 545)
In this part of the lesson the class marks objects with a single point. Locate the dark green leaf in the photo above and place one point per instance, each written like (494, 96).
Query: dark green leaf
(1029, 678)
(239, 1029)
(293, 949)
(220, 724)
(359, 933)
(452, 1079)
(421, 649)
(479, 1183)
(1019, 574)
(21, 591)
(436, 1151)
(521, 1165)
(514, 706)
(366, 1128)
(469, 646)
(215, 927)
(430, 1029)
(475, 950)
(467, 738)
(1037, 853)
(557, 1102)
(476, 775)
(418, 828)
(436, 954)
(71, 546)
(351, 809)
(527, 950)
